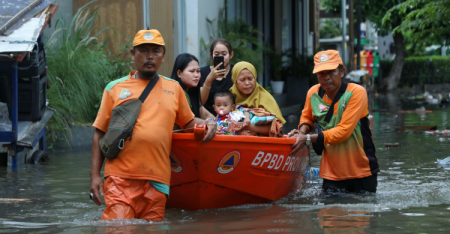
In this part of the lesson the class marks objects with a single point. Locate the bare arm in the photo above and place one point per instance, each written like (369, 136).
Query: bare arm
(204, 91)
(247, 121)
(211, 127)
(301, 138)
(263, 129)
(96, 165)
(205, 114)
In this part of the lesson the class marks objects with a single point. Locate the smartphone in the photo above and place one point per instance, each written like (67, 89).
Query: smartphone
(217, 60)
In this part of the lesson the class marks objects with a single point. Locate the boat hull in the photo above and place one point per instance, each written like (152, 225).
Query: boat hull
(232, 170)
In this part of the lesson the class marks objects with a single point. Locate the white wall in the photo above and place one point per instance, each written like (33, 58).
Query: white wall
(194, 25)
(207, 9)
(384, 44)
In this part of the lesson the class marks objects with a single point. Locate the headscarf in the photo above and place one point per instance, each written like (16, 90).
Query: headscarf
(181, 63)
(259, 98)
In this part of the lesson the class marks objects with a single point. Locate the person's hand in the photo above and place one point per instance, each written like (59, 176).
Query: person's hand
(96, 186)
(299, 143)
(216, 73)
(211, 129)
(236, 126)
(293, 133)
(247, 123)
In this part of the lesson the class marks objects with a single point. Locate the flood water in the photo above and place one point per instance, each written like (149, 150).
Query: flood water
(413, 193)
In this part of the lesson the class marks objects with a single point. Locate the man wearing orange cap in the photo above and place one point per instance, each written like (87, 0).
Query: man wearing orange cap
(348, 161)
(137, 181)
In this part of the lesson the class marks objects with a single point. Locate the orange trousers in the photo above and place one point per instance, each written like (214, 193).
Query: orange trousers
(133, 199)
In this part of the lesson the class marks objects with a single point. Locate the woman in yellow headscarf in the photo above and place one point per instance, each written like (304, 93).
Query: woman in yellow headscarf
(250, 94)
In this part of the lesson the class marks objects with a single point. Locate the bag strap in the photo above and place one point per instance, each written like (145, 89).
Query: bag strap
(336, 99)
(149, 88)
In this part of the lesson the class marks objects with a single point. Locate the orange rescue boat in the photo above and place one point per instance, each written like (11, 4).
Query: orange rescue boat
(232, 170)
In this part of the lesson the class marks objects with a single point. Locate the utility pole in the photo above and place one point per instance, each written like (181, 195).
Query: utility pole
(358, 44)
(344, 33)
(351, 36)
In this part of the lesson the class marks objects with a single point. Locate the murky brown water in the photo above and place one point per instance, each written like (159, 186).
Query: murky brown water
(413, 193)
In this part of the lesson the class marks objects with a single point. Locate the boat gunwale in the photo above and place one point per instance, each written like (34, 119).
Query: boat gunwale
(243, 139)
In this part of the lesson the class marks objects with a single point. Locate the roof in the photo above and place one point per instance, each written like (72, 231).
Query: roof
(28, 28)
(29, 31)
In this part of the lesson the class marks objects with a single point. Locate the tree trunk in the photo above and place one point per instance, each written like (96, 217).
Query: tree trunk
(391, 81)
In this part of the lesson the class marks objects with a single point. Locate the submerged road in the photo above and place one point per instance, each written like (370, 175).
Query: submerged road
(413, 193)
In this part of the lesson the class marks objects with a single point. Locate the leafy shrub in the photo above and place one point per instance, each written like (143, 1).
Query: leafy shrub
(79, 67)
(421, 70)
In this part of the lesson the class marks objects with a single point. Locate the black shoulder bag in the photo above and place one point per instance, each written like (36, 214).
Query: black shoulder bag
(121, 124)
(318, 147)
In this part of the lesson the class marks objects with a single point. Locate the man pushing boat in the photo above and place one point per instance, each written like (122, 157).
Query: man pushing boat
(338, 112)
(137, 169)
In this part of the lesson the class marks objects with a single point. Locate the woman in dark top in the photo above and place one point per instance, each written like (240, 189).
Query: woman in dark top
(208, 83)
(186, 71)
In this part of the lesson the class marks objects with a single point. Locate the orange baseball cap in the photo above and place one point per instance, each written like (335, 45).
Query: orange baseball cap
(152, 36)
(327, 60)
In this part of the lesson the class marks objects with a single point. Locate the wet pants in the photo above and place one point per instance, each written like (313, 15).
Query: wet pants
(361, 185)
(133, 199)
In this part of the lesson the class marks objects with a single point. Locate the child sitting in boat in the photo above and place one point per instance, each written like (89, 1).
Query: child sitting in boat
(238, 120)
(230, 120)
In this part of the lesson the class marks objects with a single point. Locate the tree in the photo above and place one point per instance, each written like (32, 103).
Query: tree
(416, 48)
(330, 28)
(423, 18)
(374, 11)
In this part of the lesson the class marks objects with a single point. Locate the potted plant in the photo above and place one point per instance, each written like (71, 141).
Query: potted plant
(297, 70)
(276, 65)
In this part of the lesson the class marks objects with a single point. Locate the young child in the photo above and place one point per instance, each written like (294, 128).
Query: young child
(239, 120)
(230, 120)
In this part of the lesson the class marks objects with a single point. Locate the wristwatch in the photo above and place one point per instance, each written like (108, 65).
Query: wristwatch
(308, 139)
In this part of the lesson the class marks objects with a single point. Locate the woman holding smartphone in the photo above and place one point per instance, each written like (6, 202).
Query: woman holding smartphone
(214, 78)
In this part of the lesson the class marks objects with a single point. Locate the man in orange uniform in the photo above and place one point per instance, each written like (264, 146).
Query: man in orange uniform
(348, 161)
(137, 181)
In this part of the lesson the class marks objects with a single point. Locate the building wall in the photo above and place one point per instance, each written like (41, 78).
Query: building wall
(161, 18)
(65, 9)
(190, 26)
(124, 19)
(207, 9)
(386, 47)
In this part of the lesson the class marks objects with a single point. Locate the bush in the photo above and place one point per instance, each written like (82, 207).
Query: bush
(421, 70)
(79, 68)
(385, 67)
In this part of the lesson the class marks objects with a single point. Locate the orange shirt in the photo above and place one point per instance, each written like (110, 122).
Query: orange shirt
(349, 152)
(146, 156)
